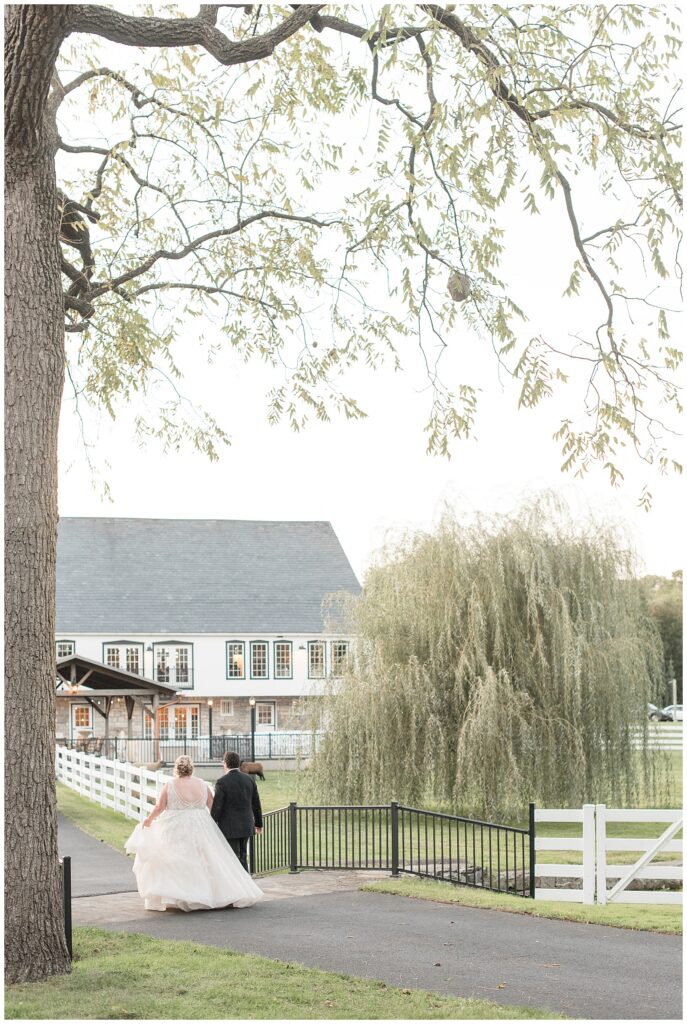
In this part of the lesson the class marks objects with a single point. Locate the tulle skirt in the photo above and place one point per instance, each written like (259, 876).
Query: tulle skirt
(184, 861)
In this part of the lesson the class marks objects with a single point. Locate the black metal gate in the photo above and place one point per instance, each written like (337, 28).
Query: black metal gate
(402, 840)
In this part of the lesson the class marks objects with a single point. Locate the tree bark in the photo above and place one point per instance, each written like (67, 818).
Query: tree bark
(35, 944)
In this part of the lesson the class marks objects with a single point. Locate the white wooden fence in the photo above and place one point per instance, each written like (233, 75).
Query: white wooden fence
(623, 874)
(123, 787)
(598, 879)
(663, 736)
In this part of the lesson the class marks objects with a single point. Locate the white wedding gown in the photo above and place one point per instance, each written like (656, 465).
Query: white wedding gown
(184, 861)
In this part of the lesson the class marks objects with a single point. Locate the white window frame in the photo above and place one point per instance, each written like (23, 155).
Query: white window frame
(253, 645)
(226, 707)
(312, 644)
(288, 645)
(123, 649)
(64, 643)
(169, 650)
(266, 726)
(335, 661)
(76, 729)
(242, 645)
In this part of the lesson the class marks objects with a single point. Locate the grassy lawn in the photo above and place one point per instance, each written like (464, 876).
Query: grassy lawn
(118, 976)
(102, 823)
(642, 917)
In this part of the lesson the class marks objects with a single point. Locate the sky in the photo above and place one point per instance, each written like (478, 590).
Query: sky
(373, 478)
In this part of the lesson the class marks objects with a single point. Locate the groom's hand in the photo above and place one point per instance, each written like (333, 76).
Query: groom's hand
(258, 830)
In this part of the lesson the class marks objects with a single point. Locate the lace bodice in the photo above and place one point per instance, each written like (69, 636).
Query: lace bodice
(177, 802)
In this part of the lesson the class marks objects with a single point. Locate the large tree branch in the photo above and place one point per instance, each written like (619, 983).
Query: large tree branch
(179, 254)
(199, 31)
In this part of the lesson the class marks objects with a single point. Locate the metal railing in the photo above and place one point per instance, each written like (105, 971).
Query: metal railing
(203, 749)
(66, 867)
(399, 839)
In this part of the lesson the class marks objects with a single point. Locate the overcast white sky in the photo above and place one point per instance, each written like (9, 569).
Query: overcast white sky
(371, 476)
(365, 477)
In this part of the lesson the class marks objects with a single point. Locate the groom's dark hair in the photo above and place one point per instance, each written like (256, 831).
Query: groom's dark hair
(232, 759)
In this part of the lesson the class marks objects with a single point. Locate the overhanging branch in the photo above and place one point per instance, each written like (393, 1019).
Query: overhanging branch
(202, 31)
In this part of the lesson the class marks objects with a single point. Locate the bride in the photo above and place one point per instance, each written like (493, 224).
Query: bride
(182, 858)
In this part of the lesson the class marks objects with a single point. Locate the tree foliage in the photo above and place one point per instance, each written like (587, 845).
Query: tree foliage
(496, 663)
(351, 195)
(664, 598)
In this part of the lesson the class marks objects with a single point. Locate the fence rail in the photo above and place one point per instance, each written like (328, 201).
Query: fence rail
(203, 749)
(662, 736)
(125, 788)
(402, 840)
(593, 870)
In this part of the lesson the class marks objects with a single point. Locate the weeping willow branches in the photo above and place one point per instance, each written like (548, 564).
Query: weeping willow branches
(496, 663)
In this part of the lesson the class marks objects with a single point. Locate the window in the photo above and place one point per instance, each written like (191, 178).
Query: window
(133, 660)
(316, 659)
(82, 716)
(265, 715)
(339, 655)
(258, 659)
(173, 664)
(282, 659)
(123, 655)
(181, 721)
(112, 657)
(183, 674)
(226, 708)
(236, 668)
(65, 648)
(162, 666)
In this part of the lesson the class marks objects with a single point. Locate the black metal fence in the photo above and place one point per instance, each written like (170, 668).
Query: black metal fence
(66, 866)
(399, 839)
(203, 749)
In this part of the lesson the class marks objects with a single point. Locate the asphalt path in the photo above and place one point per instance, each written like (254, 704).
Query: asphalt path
(97, 869)
(584, 971)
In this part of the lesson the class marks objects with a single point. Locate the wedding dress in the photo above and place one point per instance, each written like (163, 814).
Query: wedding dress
(184, 861)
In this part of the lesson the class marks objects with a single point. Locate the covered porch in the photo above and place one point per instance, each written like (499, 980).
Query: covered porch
(107, 692)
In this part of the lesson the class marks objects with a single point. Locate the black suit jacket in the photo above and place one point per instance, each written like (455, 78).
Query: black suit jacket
(236, 806)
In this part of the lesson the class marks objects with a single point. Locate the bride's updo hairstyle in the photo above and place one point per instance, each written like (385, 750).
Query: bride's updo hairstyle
(183, 766)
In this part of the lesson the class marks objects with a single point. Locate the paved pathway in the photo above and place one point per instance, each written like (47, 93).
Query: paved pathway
(321, 920)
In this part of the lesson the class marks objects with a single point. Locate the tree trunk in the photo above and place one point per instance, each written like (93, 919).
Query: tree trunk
(35, 944)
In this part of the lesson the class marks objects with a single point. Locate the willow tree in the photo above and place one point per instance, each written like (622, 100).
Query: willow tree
(331, 183)
(496, 663)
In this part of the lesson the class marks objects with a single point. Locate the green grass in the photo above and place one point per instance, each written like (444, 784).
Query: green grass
(101, 822)
(641, 917)
(119, 976)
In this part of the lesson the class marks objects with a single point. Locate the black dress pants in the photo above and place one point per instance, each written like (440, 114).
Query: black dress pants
(240, 848)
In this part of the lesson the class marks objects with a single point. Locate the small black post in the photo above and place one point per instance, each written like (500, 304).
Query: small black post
(532, 852)
(251, 855)
(252, 731)
(67, 901)
(293, 835)
(394, 838)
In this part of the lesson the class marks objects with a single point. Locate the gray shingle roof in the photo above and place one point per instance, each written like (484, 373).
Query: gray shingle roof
(170, 576)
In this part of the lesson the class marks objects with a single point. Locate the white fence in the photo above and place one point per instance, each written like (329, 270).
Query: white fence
(663, 736)
(120, 786)
(595, 872)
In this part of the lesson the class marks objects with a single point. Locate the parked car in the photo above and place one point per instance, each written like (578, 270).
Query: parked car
(656, 715)
(673, 713)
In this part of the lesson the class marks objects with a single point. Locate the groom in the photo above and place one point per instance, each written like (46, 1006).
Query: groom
(236, 807)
